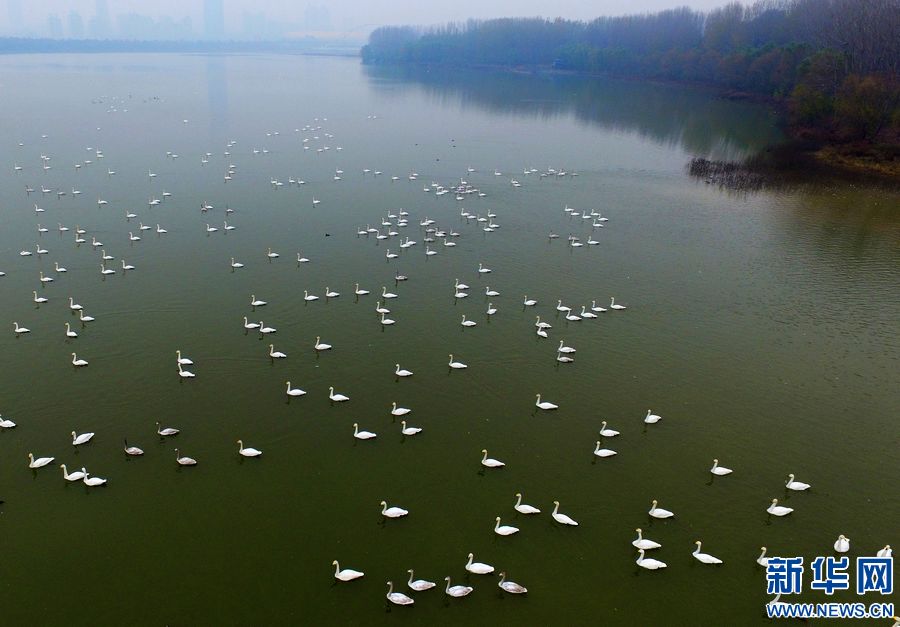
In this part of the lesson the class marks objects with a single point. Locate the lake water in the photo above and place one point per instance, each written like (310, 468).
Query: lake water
(763, 328)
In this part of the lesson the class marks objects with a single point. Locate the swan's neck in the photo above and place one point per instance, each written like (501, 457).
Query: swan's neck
(697, 550)
(337, 568)
(390, 588)
(518, 500)
(640, 535)
(383, 507)
(555, 509)
(502, 578)
(447, 588)
(410, 576)
(763, 554)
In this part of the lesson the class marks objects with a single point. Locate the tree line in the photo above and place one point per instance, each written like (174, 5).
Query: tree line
(833, 63)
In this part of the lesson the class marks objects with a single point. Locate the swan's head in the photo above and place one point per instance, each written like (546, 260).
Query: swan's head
(715, 461)
(638, 530)
(355, 425)
(518, 495)
(73, 434)
(498, 519)
(697, 542)
(654, 503)
(774, 501)
(334, 563)
(447, 579)
(241, 442)
(484, 450)
(762, 548)
(791, 476)
(383, 503)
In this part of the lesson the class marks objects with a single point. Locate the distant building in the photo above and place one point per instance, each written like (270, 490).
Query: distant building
(54, 27)
(14, 15)
(214, 19)
(100, 26)
(76, 25)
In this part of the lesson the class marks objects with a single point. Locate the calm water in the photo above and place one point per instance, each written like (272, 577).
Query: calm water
(763, 328)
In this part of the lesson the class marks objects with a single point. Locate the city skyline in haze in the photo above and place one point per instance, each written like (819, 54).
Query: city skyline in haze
(279, 19)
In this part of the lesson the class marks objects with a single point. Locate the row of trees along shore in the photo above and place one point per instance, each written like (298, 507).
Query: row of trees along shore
(833, 64)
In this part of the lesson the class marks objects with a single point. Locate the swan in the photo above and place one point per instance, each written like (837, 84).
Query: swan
(104, 256)
(651, 418)
(658, 512)
(184, 460)
(542, 325)
(266, 330)
(648, 563)
(44, 279)
(348, 574)
(402, 373)
(166, 431)
(456, 591)
(397, 598)
(83, 318)
(490, 462)
(524, 509)
(607, 433)
(40, 462)
(17, 329)
(544, 405)
(572, 317)
(248, 451)
(362, 435)
(360, 292)
(387, 294)
(380, 309)
(799, 486)
(777, 510)
(320, 345)
(132, 237)
(542, 333)
(885, 552)
(613, 305)
(489, 292)
(78, 363)
(561, 518)
(564, 349)
(228, 227)
(309, 297)
(762, 560)
(408, 430)
(721, 471)
(642, 543)
(528, 302)
(184, 361)
(255, 302)
(106, 271)
(84, 438)
(460, 294)
(301, 258)
(39, 299)
(459, 286)
(294, 391)
(478, 568)
(270, 254)
(467, 323)
(127, 266)
(5, 423)
(330, 293)
(91, 481)
(392, 512)
(491, 310)
(562, 308)
(391, 255)
(705, 558)
(586, 314)
(160, 230)
(73, 305)
(58, 267)
(482, 269)
(274, 354)
(842, 544)
(399, 411)
(419, 585)
(386, 321)
(603, 452)
(504, 530)
(250, 325)
(511, 586)
(74, 476)
(336, 398)
(184, 374)
(236, 264)
(456, 365)
(132, 450)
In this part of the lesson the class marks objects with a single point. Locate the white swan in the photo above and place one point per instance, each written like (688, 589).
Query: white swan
(467, 323)
(842, 544)
(459, 286)
(482, 269)
(274, 354)
(478, 568)
(74, 476)
(490, 462)
(271, 255)
(511, 586)
(524, 508)
(777, 510)
(705, 558)
(44, 279)
(397, 598)
(127, 266)
(491, 310)
(456, 365)
(106, 271)
(360, 292)
(544, 405)
(504, 530)
(642, 543)
(336, 398)
(84, 318)
(309, 297)
(402, 373)
(348, 574)
(84, 438)
(561, 518)
(362, 435)
(720, 471)
(392, 512)
(408, 430)
(528, 302)
(294, 391)
(39, 299)
(651, 418)
(603, 452)
(78, 363)
(399, 411)
(762, 560)
(6, 423)
(586, 314)
(184, 361)
(266, 330)
(320, 345)
(380, 309)
(40, 462)
(490, 293)
(247, 451)
(798, 486)
(456, 591)
(236, 264)
(134, 451)
(167, 431)
(648, 563)
(613, 305)
(18, 330)
(58, 267)
(542, 325)
(255, 302)
(563, 348)
(250, 325)
(386, 321)
(330, 293)
(91, 481)
(419, 585)
(387, 294)
(607, 433)
(185, 374)
(658, 512)
(184, 460)
(885, 552)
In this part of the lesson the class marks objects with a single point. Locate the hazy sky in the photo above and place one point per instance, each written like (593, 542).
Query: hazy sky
(345, 15)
